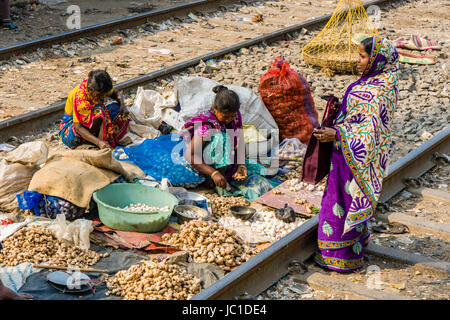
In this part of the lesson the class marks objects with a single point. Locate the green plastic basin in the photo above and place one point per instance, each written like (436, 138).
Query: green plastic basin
(115, 196)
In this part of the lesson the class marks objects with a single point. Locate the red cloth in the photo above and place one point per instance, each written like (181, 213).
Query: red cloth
(137, 240)
(288, 98)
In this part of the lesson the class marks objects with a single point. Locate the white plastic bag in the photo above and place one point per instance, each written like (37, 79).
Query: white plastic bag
(30, 154)
(195, 94)
(76, 232)
(291, 148)
(148, 106)
(16, 170)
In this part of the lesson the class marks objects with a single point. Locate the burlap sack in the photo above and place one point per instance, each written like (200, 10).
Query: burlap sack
(16, 170)
(76, 174)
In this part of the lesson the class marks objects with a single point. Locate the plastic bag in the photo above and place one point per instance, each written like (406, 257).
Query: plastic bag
(76, 232)
(30, 201)
(287, 96)
(291, 148)
(195, 94)
(160, 158)
(29, 154)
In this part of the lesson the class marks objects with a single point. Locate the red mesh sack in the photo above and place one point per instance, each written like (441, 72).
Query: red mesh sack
(287, 96)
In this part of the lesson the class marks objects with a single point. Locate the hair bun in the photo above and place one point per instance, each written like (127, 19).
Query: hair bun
(219, 88)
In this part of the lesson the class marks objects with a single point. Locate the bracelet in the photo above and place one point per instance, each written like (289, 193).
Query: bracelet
(212, 174)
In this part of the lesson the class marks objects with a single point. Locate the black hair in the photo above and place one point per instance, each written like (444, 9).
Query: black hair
(100, 81)
(226, 100)
(367, 44)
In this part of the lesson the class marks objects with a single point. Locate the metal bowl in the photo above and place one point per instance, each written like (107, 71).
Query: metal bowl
(243, 212)
(186, 213)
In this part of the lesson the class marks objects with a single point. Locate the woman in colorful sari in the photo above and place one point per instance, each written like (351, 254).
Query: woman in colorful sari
(215, 148)
(360, 155)
(87, 118)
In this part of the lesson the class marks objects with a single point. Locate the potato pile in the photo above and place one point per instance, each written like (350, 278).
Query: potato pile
(221, 205)
(36, 244)
(209, 242)
(153, 280)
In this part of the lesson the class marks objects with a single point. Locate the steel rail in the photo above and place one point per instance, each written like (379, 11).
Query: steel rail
(109, 26)
(270, 265)
(33, 121)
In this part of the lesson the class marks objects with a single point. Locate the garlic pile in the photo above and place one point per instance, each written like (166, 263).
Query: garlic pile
(142, 207)
(264, 224)
(209, 242)
(153, 280)
(221, 205)
(36, 244)
(297, 185)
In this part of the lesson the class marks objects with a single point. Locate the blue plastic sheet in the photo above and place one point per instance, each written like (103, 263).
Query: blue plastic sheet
(162, 157)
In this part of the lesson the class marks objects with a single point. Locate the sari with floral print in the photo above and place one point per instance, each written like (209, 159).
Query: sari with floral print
(359, 160)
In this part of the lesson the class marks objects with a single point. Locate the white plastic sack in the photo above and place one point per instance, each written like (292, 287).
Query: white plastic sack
(15, 277)
(195, 94)
(76, 232)
(148, 106)
(17, 168)
(30, 154)
(292, 148)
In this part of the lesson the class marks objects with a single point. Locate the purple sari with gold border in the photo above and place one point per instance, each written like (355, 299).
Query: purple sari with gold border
(359, 161)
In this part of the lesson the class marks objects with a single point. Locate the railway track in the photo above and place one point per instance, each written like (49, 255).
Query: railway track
(265, 269)
(35, 121)
(123, 23)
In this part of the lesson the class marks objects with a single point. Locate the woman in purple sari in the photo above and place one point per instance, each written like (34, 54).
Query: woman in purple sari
(360, 155)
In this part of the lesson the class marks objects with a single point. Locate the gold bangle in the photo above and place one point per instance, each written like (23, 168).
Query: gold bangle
(212, 174)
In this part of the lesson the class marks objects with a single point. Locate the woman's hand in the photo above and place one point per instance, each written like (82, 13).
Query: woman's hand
(123, 109)
(325, 135)
(219, 180)
(102, 144)
(241, 173)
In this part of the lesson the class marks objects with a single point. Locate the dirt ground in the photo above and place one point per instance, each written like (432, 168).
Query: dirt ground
(36, 19)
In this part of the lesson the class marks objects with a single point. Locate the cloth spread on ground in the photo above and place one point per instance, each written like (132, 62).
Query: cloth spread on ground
(37, 285)
(76, 175)
(417, 43)
(410, 58)
(136, 240)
